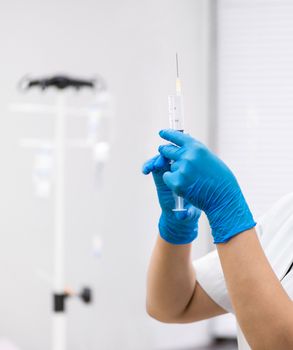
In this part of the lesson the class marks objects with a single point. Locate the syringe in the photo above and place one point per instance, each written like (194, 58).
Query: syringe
(176, 121)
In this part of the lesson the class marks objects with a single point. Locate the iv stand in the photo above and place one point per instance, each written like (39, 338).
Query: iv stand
(59, 145)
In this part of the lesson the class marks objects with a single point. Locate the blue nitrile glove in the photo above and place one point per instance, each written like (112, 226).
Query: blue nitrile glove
(174, 227)
(204, 180)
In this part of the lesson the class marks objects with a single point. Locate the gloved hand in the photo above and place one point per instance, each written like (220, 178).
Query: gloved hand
(205, 181)
(174, 227)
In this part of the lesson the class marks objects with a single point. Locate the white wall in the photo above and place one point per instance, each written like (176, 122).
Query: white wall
(132, 44)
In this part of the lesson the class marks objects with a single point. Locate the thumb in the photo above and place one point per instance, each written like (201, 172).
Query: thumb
(173, 181)
(169, 179)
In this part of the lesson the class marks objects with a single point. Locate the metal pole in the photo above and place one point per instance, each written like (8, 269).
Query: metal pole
(59, 318)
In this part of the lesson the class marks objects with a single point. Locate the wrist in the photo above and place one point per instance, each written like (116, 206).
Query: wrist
(168, 249)
(230, 219)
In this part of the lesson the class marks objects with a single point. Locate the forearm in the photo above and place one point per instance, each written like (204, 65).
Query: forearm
(263, 309)
(171, 280)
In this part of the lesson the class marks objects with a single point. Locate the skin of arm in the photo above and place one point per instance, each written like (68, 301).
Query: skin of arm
(173, 294)
(263, 309)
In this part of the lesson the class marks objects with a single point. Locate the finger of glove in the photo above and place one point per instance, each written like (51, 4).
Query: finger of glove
(149, 165)
(175, 136)
(172, 180)
(158, 179)
(162, 163)
(174, 166)
(157, 163)
(181, 215)
(191, 213)
(171, 152)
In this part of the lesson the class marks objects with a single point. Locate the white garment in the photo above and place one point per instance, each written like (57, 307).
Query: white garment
(275, 232)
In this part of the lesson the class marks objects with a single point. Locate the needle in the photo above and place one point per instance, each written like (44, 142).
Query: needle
(178, 83)
(177, 66)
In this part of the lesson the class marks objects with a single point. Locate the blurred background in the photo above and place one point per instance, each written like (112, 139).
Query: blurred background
(236, 67)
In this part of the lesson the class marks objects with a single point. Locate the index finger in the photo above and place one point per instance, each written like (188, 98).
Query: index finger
(175, 136)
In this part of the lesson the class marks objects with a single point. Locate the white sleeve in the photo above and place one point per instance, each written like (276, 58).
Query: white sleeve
(271, 221)
(209, 275)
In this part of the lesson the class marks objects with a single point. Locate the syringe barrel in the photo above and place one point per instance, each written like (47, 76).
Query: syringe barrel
(176, 112)
(176, 121)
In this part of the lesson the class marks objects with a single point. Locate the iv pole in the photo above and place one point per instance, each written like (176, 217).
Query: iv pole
(59, 145)
(59, 320)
